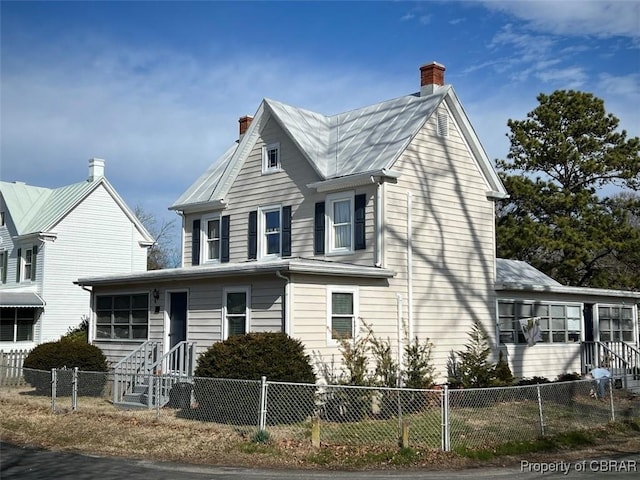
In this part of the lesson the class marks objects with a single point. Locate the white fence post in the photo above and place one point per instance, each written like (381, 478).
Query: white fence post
(540, 410)
(54, 385)
(263, 404)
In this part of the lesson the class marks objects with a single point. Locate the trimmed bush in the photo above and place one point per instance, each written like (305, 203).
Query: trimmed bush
(68, 354)
(276, 356)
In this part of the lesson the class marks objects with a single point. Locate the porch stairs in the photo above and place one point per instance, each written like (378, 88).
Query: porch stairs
(147, 379)
(621, 358)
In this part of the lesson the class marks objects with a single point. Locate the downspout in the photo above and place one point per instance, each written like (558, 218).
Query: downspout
(379, 225)
(409, 268)
(90, 330)
(286, 303)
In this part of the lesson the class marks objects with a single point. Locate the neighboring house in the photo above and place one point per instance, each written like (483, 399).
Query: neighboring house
(49, 238)
(313, 224)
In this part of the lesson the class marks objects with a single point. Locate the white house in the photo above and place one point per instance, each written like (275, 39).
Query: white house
(49, 238)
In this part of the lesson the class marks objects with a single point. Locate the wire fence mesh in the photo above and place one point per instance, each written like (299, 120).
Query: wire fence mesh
(349, 415)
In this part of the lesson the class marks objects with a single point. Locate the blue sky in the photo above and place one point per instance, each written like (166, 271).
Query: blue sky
(156, 88)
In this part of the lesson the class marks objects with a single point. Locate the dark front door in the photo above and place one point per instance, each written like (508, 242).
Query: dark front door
(177, 318)
(588, 323)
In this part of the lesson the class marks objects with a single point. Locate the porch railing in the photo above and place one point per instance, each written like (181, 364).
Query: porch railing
(175, 366)
(135, 368)
(621, 358)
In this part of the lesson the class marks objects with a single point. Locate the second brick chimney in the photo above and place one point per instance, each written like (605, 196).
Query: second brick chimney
(244, 124)
(431, 77)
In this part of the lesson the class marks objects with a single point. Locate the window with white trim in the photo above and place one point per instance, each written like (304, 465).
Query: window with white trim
(1, 219)
(28, 264)
(271, 158)
(212, 239)
(559, 323)
(235, 311)
(270, 228)
(16, 324)
(122, 317)
(342, 313)
(615, 323)
(340, 222)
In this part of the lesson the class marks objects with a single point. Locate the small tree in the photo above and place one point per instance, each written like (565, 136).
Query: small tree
(78, 333)
(418, 360)
(502, 372)
(475, 369)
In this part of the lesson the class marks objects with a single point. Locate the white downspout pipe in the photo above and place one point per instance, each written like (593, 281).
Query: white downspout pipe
(409, 268)
(400, 349)
(287, 302)
(379, 224)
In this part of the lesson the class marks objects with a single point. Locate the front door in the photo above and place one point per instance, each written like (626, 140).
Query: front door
(177, 318)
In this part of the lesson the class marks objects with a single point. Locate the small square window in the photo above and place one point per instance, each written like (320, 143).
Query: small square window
(271, 158)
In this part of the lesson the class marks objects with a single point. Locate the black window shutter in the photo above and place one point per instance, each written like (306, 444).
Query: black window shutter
(34, 256)
(18, 265)
(224, 239)
(253, 235)
(5, 263)
(318, 237)
(286, 231)
(359, 221)
(195, 243)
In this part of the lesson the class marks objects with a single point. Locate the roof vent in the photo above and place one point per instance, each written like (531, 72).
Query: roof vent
(431, 77)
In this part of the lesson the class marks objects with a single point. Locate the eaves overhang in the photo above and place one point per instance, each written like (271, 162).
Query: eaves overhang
(203, 272)
(200, 206)
(562, 289)
(358, 180)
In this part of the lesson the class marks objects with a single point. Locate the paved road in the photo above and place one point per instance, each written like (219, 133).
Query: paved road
(35, 464)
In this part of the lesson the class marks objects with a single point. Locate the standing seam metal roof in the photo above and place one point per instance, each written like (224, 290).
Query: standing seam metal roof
(362, 140)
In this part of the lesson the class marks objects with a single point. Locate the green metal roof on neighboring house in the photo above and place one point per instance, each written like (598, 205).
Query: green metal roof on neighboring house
(37, 209)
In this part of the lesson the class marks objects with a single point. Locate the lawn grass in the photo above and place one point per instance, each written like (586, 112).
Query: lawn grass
(477, 434)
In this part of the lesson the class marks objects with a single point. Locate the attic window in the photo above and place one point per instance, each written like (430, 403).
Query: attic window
(443, 125)
(271, 158)
(1, 219)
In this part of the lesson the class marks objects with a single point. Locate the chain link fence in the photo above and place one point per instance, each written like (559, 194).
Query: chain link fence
(443, 418)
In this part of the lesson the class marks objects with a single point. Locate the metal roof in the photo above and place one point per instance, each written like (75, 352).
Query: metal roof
(289, 265)
(362, 140)
(20, 299)
(37, 209)
(516, 275)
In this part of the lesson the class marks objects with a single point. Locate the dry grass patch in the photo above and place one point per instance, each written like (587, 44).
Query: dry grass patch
(100, 429)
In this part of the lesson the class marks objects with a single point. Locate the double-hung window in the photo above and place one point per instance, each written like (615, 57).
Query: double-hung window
(340, 220)
(212, 239)
(270, 232)
(342, 310)
(28, 264)
(271, 158)
(235, 311)
(122, 317)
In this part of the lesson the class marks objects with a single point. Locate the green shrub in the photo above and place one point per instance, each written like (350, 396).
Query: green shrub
(67, 354)
(276, 356)
(80, 332)
(502, 373)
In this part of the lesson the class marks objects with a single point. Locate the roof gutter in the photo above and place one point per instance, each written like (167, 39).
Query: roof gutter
(360, 179)
(200, 206)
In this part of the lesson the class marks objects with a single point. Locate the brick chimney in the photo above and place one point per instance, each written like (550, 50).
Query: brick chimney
(244, 124)
(431, 77)
(96, 169)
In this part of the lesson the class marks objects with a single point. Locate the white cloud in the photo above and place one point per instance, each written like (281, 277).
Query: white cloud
(576, 17)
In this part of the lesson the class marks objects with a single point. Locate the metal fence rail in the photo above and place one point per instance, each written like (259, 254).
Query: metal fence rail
(443, 418)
